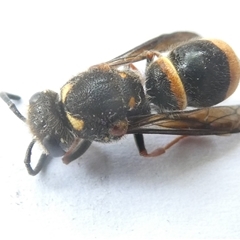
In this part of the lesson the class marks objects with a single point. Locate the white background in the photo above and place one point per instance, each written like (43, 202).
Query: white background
(193, 191)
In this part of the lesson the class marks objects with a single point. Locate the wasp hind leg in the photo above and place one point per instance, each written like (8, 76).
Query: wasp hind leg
(158, 151)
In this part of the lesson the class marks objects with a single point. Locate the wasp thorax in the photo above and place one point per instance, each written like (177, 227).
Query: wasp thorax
(98, 102)
(47, 123)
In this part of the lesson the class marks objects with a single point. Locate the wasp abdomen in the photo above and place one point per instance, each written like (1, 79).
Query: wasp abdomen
(208, 70)
(164, 85)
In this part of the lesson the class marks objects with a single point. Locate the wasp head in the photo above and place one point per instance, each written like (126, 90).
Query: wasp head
(48, 124)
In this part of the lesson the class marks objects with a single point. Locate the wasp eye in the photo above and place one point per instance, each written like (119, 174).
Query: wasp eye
(35, 97)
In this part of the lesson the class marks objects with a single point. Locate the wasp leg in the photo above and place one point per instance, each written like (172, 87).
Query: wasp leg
(78, 148)
(143, 152)
(6, 97)
(132, 67)
(27, 160)
(150, 56)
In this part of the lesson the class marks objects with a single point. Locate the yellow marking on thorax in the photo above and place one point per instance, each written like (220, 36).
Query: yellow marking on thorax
(132, 103)
(76, 123)
(122, 74)
(65, 90)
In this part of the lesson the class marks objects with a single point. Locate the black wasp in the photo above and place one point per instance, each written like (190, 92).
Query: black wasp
(113, 99)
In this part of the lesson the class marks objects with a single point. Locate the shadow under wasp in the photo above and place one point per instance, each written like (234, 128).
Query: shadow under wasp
(113, 99)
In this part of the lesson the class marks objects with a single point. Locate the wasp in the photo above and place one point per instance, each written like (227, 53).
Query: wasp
(114, 98)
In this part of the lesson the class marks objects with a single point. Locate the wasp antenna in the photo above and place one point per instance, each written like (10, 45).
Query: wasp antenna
(27, 160)
(6, 97)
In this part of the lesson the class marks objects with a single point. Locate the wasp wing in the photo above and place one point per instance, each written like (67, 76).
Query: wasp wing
(205, 121)
(160, 44)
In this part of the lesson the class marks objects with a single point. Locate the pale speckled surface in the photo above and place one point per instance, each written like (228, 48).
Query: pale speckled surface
(193, 191)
